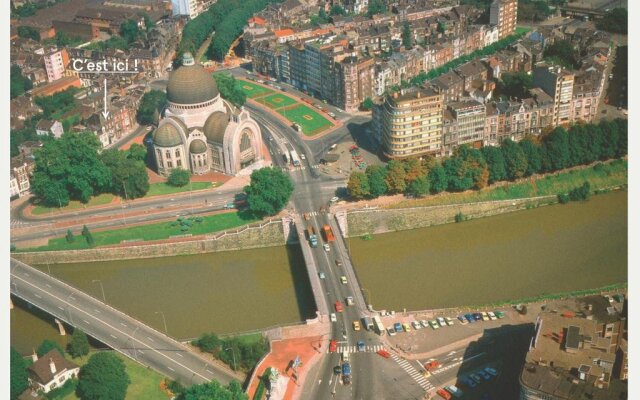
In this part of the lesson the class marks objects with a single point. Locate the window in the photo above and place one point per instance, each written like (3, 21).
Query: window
(245, 141)
(178, 153)
(168, 154)
(169, 164)
(179, 163)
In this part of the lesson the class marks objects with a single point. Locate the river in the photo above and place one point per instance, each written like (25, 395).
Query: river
(549, 249)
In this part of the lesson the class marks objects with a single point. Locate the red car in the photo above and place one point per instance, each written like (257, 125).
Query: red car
(444, 394)
(431, 365)
(384, 353)
(338, 306)
(333, 346)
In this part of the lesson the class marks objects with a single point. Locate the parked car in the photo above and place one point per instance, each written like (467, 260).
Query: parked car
(441, 321)
(338, 263)
(462, 320)
(302, 156)
(492, 316)
(434, 324)
(469, 318)
(397, 326)
(469, 382)
(425, 323)
(484, 375)
(476, 378)
(334, 199)
(326, 247)
(416, 325)
(444, 394)
(391, 331)
(485, 316)
(449, 320)
(321, 274)
(406, 327)
(337, 370)
(477, 316)
(499, 314)
(356, 325)
(333, 317)
(360, 345)
(491, 371)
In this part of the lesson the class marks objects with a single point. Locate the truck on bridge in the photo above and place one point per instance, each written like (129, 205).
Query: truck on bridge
(313, 239)
(328, 233)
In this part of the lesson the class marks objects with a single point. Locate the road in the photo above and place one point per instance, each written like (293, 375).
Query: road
(113, 328)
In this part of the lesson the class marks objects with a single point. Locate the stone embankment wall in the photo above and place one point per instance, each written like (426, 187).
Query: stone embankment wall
(363, 222)
(264, 235)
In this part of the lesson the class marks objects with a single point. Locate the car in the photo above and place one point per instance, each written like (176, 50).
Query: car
(356, 325)
(334, 199)
(469, 318)
(338, 306)
(333, 317)
(425, 323)
(610, 76)
(406, 327)
(469, 382)
(499, 314)
(492, 316)
(431, 365)
(346, 379)
(343, 279)
(476, 378)
(416, 325)
(326, 247)
(384, 353)
(321, 275)
(397, 326)
(484, 375)
(491, 371)
(444, 394)
(339, 109)
(391, 331)
(337, 370)
(477, 316)
(434, 324)
(338, 263)
(349, 300)
(462, 320)
(360, 345)
(303, 157)
(333, 346)
(324, 101)
(449, 321)
(485, 316)
(332, 115)
(441, 321)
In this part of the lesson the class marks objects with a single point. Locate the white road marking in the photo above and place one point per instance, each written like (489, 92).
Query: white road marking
(61, 308)
(149, 338)
(115, 337)
(140, 351)
(171, 369)
(123, 324)
(47, 285)
(37, 295)
(87, 322)
(178, 354)
(25, 274)
(98, 311)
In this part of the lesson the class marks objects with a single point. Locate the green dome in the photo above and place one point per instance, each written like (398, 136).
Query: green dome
(167, 136)
(197, 147)
(191, 84)
(215, 126)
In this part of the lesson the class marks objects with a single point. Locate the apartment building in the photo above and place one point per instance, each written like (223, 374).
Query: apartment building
(464, 123)
(55, 62)
(557, 82)
(504, 15)
(411, 122)
(356, 81)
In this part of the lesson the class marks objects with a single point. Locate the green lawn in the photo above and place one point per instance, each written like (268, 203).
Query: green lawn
(145, 383)
(277, 100)
(608, 175)
(157, 231)
(252, 90)
(160, 188)
(310, 121)
(75, 205)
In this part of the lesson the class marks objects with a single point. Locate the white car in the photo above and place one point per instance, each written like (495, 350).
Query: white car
(425, 323)
(343, 279)
(441, 321)
(302, 156)
(321, 274)
(334, 199)
(492, 316)
(333, 317)
(391, 331)
(326, 247)
(449, 321)
(416, 325)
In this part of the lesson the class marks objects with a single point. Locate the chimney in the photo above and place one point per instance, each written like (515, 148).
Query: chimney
(52, 365)
(34, 356)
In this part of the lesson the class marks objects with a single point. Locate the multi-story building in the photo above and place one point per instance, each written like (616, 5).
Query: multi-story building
(356, 81)
(185, 7)
(587, 88)
(21, 169)
(464, 124)
(573, 351)
(55, 62)
(557, 82)
(504, 15)
(411, 122)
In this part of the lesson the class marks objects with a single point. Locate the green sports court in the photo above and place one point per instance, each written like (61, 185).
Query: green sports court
(310, 121)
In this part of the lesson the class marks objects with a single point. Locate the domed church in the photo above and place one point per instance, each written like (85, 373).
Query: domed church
(202, 132)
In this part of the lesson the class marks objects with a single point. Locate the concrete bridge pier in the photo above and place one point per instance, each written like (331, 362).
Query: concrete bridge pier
(60, 327)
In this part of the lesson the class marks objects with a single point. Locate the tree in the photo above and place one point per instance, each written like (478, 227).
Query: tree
(269, 191)
(214, 390)
(514, 159)
(367, 104)
(413, 169)
(104, 377)
(129, 178)
(18, 374)
(395, 178)
(337, 10)
(407, 36)
(79, 344)
(562, 51)
(358, 186)
(495, 162)
(151, 106)
(18, 83)
(229, 89)
(70, 238)
(69, 168)
(556, 145)
(137, 152)
(532, 153)
(615, 20)
(178, 177)
(438, 179)
(88, 236)
(376, 175)
(376, 7)
(516, 84)
(466, 169)
(130, 31)
(29, 32)
(419, 187)
(47, 345)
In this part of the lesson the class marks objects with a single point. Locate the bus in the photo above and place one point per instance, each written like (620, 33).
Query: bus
(377, 324)
(295, 160)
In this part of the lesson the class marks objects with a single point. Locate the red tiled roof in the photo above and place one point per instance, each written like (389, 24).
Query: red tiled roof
(284, 32)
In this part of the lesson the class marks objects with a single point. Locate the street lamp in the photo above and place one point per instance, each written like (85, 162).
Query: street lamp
(101, 288)
(163, 320)
(233, 353)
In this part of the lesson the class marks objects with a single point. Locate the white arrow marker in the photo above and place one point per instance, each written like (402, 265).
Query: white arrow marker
(105, 113)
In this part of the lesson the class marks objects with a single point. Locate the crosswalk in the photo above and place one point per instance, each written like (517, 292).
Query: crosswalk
(354, 349)
(300, 168)
(312, 213)
(18, 224)
(413, 373)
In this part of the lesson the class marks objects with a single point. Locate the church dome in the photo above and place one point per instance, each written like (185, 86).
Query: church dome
(197, 146)
(191, 84)
(215, 126)
(167, 136)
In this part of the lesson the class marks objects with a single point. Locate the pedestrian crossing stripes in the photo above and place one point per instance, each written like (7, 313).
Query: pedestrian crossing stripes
(413, 373)
(354, 349)
(313, 213)
(300, 168)
(18, 224)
